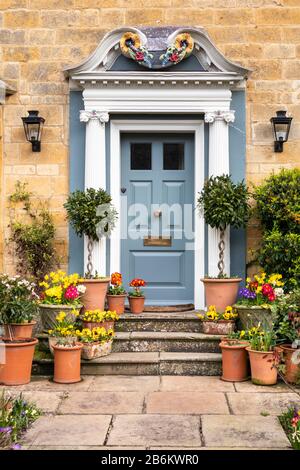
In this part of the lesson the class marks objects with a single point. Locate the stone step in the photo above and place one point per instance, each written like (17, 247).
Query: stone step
(143, 363)
(169, 341)
(170, 321)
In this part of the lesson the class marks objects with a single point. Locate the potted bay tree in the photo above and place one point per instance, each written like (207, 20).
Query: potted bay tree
(91, 213)
(224, 203)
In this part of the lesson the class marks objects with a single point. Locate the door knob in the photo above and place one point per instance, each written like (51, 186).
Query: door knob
(157, 213)
(123, 190)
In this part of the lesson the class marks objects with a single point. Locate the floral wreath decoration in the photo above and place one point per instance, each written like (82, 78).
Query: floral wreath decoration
(131, 47)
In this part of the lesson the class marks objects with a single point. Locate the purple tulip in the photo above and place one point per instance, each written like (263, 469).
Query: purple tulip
(7, 429)
(16, 447)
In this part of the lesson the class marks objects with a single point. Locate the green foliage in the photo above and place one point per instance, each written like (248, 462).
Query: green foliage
(262, 340)
(280, 252)
(278, 201)
(91, 213)
(286, 314)
(290, 421)
(224, 202)
(16, 415)
(278, 208)
(33, 238)
(17, 300)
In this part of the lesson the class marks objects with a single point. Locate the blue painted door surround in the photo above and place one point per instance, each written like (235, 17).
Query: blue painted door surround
(157, 186)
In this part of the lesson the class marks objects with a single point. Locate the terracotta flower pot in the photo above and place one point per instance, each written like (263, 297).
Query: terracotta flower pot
(221, 292)
(94, 350)
(54, 339)
(234, 361)
(252, 316)
(292, 371)
(221, 327)
(116, 303)
(19, 330)
(108, 325)
(136, 304)
(263, 371)
(49, 312)
(67, 364)
(94, 296)
(17, 357)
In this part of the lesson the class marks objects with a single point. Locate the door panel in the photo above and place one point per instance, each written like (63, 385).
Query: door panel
(158, 176)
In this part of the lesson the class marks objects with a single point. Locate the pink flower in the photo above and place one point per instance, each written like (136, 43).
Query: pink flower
(71, 293)
(139, 56)
(174, 57)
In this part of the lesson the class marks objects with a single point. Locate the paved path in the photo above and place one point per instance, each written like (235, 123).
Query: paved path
(151, 412)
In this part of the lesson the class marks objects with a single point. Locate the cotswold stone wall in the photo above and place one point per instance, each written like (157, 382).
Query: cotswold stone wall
(39, 37)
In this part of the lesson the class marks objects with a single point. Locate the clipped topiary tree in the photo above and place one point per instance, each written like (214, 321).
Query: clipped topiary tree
(91, 213)
(224, 203)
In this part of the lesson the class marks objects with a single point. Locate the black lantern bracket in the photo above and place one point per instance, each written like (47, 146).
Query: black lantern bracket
(33, 126)
(281, 125)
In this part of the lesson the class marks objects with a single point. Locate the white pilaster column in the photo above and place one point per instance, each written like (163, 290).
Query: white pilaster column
(218, 165)
(95, 174)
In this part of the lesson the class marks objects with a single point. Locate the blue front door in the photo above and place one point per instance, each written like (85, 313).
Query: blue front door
(157, 215)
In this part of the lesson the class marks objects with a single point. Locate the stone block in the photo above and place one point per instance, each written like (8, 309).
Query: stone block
(125, 383)
(21, 19)
(151, 430)
(44, 71)
(283, 51)
(192, 16)
(20, 53)
(51, 4)
(195, 384)
(186, 403)
(12, 37)
(42, 36)
(291, 34)
(292, 69)
(236, 16)
(226, 34)
(79, 36)
(47, 169)
(263, 34)
(146, 17)
(257, 403)
(108, 403)
(55, 19)
(243, 431)
(24, 169)
(70, 430)
(108, 18)
(277, 16)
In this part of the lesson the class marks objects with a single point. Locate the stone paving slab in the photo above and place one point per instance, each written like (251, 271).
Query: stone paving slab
(151, 430)
(44, 383)
(243, 431)
(257, 403)
(194, 383)
(125, 383)
(72, 430)
(187, 403)
(48, 402)
(250, 387)
(106, 403)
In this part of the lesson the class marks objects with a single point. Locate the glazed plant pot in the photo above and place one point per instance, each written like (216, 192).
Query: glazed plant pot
(67, 364)
(136, 304)
(17, 357)
(221, 327)
(49, 312)
(19, 330)
(234, 361)
(94, 296)
(53, 340)
(92, 351)
(252, 316)
(263, 371)
(221, 292)
(116, 303)
(108, 325)
(292, 371)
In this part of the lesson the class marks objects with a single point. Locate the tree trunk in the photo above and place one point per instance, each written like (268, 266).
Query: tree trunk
(89, 263)
(221, 247)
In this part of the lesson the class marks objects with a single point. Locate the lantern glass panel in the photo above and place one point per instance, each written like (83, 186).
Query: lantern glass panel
(281, 132)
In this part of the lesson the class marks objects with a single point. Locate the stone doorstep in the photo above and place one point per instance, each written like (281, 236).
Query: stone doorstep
(160, 322)
(145, 363)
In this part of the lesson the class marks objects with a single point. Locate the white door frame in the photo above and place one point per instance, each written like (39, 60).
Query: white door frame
(191, 126)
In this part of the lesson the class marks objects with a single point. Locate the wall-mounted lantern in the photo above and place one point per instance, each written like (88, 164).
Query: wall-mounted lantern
(281, 128)
(33, 126)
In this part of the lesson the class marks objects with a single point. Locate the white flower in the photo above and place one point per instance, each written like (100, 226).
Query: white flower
(279, 291)
(81, 288)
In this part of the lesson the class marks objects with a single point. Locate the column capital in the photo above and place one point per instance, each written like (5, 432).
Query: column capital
(212, 116)
(101, 116)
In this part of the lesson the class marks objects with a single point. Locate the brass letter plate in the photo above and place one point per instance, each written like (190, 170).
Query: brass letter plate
(157, 241)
